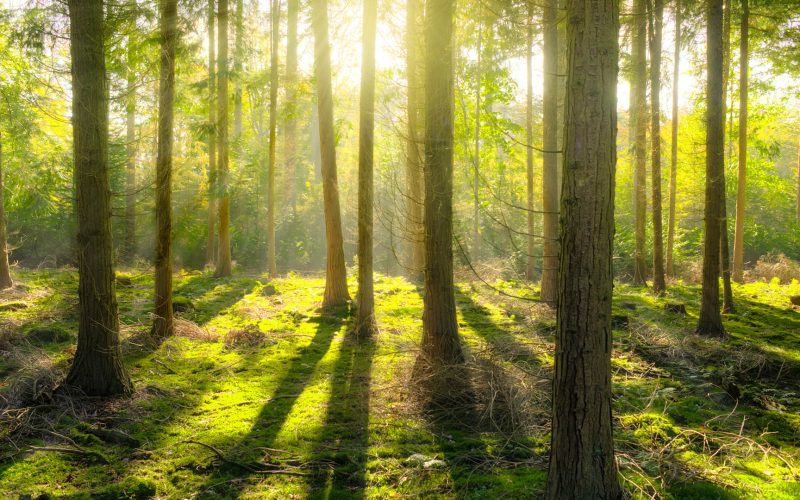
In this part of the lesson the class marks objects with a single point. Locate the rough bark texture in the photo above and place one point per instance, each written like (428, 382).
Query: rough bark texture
(710, 322)
(5, 269)
(290, 128)
(365, 323)
(414, 151)
(275, 15)
(97, 368)
(163, 322)
(550, 195)
(129, 248)
(582, 463)
(224, 249)
(336, 293)
(741, 184)
(724, 246)
(673, 172)
(530, 268)
(441, 344)
(656, 25)
(639, 125)
(211, 242)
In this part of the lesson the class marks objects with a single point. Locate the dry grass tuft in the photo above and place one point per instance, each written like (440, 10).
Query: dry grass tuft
(249, 336)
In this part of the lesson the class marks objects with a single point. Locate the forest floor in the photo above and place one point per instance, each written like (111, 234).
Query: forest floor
(262, 394)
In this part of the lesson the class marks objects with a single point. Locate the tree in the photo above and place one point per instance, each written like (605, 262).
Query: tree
(5, 269)
(290, 129)
(414, 173)
(238, 55)
(656, 25)
(530, 268)
(211, 254)
(550, 195)
(224, 250)
(476, 185)
(275, 15)
(129, 250)
(639, 127)
(725, 254)
(163, 323)
(365, 323)
(336, 293)
(582, 463)
(673, 171)
(97, 368)
(441, 345)
(741, 184)
(710, 322)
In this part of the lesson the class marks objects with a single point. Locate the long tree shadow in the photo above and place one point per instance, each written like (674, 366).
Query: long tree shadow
(210, 296)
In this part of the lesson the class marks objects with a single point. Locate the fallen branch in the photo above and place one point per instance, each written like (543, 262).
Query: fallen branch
(247, 467)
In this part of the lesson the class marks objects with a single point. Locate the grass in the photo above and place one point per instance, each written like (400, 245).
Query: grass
(259, 380)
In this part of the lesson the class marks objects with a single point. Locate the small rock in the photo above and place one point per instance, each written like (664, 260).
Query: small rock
(675, 308)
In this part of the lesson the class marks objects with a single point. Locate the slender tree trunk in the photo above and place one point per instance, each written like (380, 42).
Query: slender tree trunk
(710, 322)
(273, 125)
(238, 55)
(163, 323)
(798, 181)
(224, 266)
(530, 268)
(656, 27)
(550, 195)
(211, 242)
(476, 186)
(414, 175)
(582, 463)
(741, 185)
(365, 323)
(441, 344)
(129, 252)
(725, 255)
(97, 368)
(639, 118)
(673, 173)
(5, 269)
(336, 293)
(290, 129)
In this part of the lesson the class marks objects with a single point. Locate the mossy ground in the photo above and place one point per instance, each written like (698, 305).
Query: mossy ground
(273, 383)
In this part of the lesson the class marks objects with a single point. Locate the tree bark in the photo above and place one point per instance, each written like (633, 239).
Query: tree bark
(530, 268)
(656, 26)
(639, 119)
(5, 269)
(476, 202)
(725, 255)
(129, 251)
(582, 463)
(550, 195)
(163, 322)
(97, 368)
(211, 242)
(414, 174)
(224, 266)
(275, 15)
(365, 323)
(741, 184)
(673, 173)
(710, 322)
(336, 293)
(290, 128)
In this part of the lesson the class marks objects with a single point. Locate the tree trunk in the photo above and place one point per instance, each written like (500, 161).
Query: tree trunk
(336, 293)
(550, 195)
(741, 184)
(441, 344)
(365, 324)
(414, 174)
(656, 26)
(476, 202)
(5, 269)
(275, 14)
(798, 181)
(97, 368)
(673, 173)
(211, 242)
(238, 54)
(725, 255)
(530, 268)
(290, 128)
(710, 322)
(639, 119)
(582, 463)
(224, 267)
(163, 323)
(129, 251)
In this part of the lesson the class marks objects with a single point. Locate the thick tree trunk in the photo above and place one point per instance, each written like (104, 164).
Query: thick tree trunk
(710, 322)
(550, 194)
(5, 269)
(414, 150)
(290, 128)
(163, 323)
(741, 184)
(129, 251)
(238, 54)
(365, 323)
(673, 172)
(211, 242)
(725, 256)
(224, 267)
(639, 119)
(530, 267)
(275, 14)
(97, 368)
(441, 344)
(656, 26)
(336, 293)
(582, 463)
